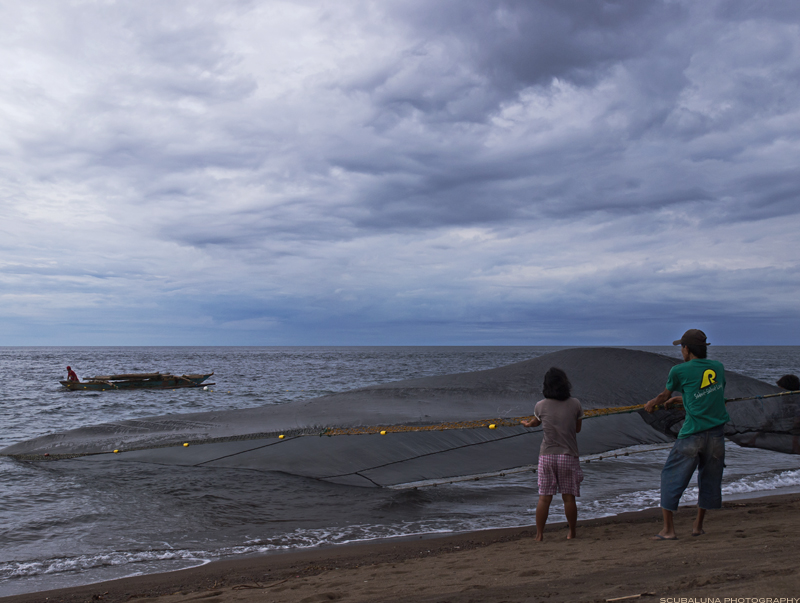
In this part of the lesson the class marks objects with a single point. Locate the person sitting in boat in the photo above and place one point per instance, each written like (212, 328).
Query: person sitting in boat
(789, 383)
(71, 376)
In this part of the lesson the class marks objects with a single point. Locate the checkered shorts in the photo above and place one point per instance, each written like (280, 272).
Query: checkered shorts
(559, 473)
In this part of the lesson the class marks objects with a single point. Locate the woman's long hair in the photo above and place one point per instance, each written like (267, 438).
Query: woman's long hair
(556, 385)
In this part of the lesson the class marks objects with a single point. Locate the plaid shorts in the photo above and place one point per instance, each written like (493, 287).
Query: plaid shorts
(559, 473)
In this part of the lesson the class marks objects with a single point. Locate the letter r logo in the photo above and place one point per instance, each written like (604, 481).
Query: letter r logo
(709, 378)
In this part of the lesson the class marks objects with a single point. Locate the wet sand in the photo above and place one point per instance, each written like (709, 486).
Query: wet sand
(750, 550)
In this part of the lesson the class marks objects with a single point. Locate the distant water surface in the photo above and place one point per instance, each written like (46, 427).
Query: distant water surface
(62, 525)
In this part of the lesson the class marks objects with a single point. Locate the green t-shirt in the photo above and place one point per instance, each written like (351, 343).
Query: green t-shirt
(702, 383)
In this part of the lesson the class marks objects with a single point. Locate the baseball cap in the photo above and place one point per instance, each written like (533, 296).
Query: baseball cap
(692, 337)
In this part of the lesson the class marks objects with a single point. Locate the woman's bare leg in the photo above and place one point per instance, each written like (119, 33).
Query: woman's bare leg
(542, 511)
(571, 511)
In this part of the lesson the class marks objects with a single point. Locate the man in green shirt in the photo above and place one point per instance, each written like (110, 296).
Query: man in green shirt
(701, 441)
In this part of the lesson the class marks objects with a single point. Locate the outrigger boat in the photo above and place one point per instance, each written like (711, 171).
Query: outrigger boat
(138, 381)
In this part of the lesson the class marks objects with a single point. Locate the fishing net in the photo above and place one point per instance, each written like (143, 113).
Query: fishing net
(428, 430)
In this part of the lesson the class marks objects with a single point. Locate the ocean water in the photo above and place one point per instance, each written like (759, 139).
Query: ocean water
(62, 525)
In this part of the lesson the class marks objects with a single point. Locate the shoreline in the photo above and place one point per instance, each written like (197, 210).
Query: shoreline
(612, 556)
(730, 497)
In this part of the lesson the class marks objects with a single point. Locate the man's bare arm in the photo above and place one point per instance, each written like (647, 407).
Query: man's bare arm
(660, 399)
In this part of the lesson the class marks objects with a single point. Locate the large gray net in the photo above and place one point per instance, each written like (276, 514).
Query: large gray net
(429, 430)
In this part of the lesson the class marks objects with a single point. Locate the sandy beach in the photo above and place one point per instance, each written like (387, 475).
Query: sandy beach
(749, 551)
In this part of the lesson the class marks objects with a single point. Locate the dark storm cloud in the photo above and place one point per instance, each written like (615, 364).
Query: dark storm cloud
(518, 44)
(501, 49)
(469, 60)
(742, 10)
(770, 195)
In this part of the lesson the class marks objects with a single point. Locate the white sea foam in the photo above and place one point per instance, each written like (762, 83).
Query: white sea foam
(17, 569)
(764, 483)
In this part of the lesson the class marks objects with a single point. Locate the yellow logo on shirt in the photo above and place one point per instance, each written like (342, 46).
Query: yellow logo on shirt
(709, 378)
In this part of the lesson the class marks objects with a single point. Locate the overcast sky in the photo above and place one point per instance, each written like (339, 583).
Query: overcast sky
(534, 172)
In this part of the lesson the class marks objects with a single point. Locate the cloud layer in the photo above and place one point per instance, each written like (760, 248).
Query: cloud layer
(516, 172)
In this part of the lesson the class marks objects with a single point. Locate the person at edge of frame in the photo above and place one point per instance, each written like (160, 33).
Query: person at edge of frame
(790, 383)
(701, 442)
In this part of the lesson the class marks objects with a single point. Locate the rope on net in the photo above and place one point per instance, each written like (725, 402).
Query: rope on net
(507, 421)
(476, 424)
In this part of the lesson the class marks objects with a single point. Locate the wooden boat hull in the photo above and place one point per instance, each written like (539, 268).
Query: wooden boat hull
(156, 382)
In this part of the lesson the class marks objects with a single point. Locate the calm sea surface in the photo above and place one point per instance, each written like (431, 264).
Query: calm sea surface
(62, 525)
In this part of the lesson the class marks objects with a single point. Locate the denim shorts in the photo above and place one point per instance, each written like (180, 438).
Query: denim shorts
(704, 451)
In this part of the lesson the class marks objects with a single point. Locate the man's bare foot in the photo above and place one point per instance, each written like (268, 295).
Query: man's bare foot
(664, 537)
(697, 524)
